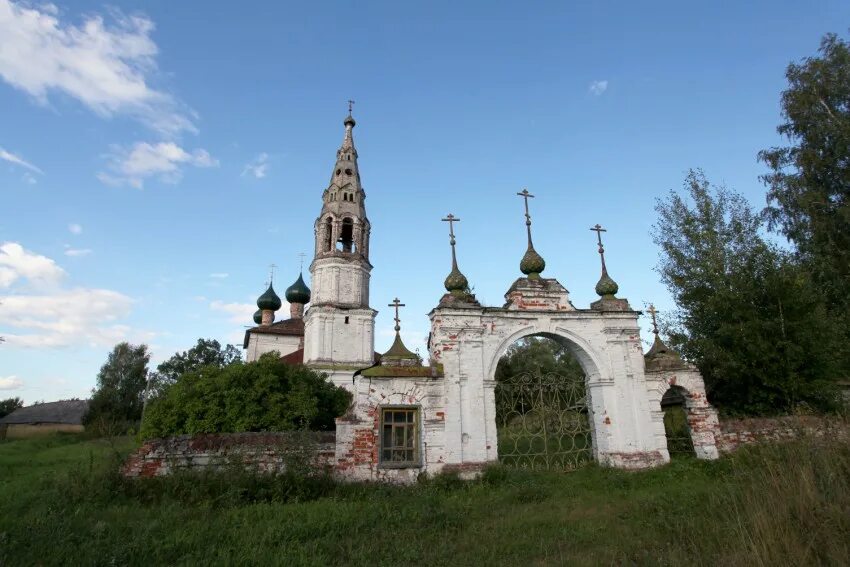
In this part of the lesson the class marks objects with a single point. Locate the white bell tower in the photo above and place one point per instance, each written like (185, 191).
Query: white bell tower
(339, 328)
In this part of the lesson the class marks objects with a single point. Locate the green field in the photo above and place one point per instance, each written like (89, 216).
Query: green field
(62, 503)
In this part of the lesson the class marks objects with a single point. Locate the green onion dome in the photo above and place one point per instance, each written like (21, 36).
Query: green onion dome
(606, 287)
(269, 300)
(298, 292)
(456, 283)
(258, 316)
(532, 264)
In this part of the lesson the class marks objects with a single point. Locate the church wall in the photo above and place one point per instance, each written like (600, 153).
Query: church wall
(358, 433)
(261, 343)
(339, 336)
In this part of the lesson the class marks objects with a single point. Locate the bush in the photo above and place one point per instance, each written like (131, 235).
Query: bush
(265, 395)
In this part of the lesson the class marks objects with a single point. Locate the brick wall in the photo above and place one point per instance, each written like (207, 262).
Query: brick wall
(267, 452)
(737, 432)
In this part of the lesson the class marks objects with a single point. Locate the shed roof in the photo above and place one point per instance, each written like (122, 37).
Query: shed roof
(65, 411)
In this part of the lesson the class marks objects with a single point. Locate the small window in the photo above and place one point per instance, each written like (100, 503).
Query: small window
(400, 437)
(346, 320)
(348, 172)
(338, 171)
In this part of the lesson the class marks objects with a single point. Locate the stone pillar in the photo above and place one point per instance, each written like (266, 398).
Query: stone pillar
(268, 318)
(296, 310)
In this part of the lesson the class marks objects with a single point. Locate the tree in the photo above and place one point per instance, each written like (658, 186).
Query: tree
(265, 395)
(747, 315)
(809, 183)
(538, 355)
(9, 405)
(120, 386)
(208, 352)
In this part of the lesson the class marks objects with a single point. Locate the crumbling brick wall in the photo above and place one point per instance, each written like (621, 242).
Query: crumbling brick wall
(737, 432)
(266, 452)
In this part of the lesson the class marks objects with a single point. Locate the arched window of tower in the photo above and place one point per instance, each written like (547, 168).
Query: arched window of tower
(346, 237)
(329, 230)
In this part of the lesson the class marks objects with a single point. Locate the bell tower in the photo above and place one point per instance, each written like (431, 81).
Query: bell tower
(339, 325)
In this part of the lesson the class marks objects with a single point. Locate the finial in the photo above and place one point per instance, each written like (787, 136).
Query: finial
(271, 273)
(350, 105)
(652, 311)
(396, 303)
(301, 256)
(606, 287)
(532, 263)
(456, 283)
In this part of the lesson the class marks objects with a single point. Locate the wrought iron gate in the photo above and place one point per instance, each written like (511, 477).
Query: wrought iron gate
(542, 421)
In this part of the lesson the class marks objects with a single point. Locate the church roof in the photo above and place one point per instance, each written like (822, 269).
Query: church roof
(292, 327)
(65, 411)
(662, 357)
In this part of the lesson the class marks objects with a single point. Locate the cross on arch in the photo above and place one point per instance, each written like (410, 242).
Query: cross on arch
(451, 219)
(350, 105)
(652, 311)
(396, 303)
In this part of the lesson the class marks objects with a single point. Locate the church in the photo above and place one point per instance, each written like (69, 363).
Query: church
(410, 418)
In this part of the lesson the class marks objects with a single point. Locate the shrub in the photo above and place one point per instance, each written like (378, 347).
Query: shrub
(265, 395)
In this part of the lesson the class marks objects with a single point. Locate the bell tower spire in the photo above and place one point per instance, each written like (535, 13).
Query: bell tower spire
(339, 325)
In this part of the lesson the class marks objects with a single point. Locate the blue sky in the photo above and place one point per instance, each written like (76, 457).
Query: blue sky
(156, 157)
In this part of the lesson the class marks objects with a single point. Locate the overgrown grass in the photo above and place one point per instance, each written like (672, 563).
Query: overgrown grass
(62, 502)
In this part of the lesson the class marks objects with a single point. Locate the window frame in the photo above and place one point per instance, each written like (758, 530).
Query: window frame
(417, 441)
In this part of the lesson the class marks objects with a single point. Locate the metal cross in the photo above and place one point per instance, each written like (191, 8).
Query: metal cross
(451, 219)
(350, 105)
(396, 303)
(301, 256)
(652, 311)
(599, 230)
(526, 196)
(271, 272)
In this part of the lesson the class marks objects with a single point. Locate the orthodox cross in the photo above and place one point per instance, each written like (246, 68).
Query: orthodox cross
(451, 219)
(301, 257)
(396, 303)
(526, 196)
(350, 105)
(652, 311)
(599, 230)
(271, 272)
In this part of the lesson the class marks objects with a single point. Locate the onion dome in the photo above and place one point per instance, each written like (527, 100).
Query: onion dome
(456, 283)
(298, 292)
(269, 300)
(258, 316)
(606, 287)
(532, 264)
(349, 120)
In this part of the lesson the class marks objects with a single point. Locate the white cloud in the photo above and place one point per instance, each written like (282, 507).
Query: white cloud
(75, 228)
(163, 161)
(598, 87)
(75, 252)
(106, 65)
(70, 317)
(258, 167)
(28, 178)
(9, 156)
(16, 263)
(11, 383)
(219, 275)
(240, 313)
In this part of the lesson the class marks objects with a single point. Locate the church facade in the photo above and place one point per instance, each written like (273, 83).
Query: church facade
(408, 418)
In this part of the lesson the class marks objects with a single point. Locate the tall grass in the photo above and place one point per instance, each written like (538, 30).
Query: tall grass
(771, 505)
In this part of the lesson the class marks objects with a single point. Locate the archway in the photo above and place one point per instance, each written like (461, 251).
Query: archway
(676, 428)
(543, 416)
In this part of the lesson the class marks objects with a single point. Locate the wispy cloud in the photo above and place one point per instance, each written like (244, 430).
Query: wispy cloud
(11, 383)
(219, 275)
(257, 167)
(239, 313)
(596, 88)
(163, 161)
(105, 63)
(75, 252)
(9, 156)
(75, 228)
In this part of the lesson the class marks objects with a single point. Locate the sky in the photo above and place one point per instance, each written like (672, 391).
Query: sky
(157, 157)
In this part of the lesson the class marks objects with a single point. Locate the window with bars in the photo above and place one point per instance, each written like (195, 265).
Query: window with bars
(400, 437)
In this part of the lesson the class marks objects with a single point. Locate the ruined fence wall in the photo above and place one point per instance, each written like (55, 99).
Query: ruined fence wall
(265, 452)
(737, 432)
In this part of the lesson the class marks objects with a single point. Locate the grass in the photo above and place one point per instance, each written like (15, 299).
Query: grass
(62, 503)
